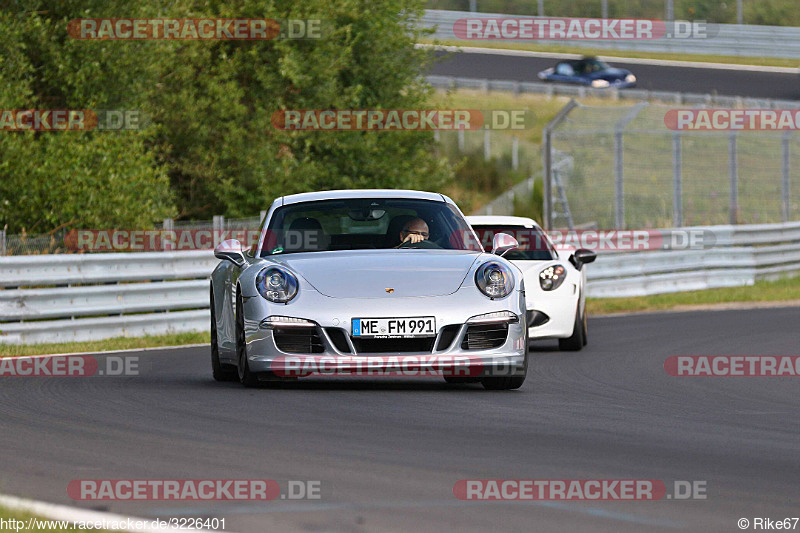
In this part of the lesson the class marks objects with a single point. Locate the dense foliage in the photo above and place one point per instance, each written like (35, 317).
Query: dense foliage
(210, 148)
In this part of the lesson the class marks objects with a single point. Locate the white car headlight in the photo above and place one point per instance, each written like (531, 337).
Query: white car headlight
(495, 280)
(600, 84)
(552, 277)
(276, 284)
(630, 78)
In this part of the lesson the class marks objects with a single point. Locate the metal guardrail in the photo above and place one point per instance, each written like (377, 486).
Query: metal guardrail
(741, 40)
(580, 91)
(66, 298)
(741, 256)
(63, 298)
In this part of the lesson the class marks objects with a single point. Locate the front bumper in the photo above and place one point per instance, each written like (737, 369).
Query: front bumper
(460, 346)
(558, 307)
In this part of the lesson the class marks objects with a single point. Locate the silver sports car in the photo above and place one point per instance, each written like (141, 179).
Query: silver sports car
(368, 282)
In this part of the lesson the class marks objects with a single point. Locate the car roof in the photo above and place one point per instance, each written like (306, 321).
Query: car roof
(363, 193)
(489, 220)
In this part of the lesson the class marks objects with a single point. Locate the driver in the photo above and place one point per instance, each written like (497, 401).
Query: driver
(414, 231)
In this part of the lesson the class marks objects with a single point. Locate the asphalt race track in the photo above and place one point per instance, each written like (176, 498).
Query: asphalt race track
(388, 452)
(776, 85)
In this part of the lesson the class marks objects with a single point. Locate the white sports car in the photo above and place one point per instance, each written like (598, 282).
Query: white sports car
(555, 281)
(361, 281)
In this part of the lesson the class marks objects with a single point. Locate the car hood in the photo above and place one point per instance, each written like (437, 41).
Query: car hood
(368, 274)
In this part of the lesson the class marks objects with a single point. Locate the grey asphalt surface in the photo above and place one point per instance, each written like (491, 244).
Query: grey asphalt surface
(388, 452)
(780, 86)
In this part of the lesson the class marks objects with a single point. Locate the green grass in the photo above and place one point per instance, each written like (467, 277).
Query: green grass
(6, 514)
(763, 291)
(557, 49)
(119, 343)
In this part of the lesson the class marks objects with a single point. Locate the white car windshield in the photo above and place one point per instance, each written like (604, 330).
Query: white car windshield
(367, 224)
(533, 244)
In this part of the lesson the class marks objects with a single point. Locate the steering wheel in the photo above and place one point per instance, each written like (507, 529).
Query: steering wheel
(420, 245)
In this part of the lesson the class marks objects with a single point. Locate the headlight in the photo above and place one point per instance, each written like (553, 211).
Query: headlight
(552, 277)
(276, 284)
(630, 78)
(495, 280)
(600, 84)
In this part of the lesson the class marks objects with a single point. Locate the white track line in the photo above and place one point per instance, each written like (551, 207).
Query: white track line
(634, 60)
(74, 514)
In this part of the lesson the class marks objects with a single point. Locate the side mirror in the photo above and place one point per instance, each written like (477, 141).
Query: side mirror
(581, 257)
(502, 243)
(230, 250)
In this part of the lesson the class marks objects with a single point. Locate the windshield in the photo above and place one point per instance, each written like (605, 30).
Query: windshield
(367, 224)
(533, 243)
(594, 65)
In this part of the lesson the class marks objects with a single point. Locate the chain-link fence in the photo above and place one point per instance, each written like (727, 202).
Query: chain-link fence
(621, 167)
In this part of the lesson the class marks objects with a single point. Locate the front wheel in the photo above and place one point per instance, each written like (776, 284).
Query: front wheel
(576, 341)
(220, 371)
(246, 377)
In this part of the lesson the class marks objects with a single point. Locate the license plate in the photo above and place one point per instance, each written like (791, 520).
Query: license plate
(416, 326)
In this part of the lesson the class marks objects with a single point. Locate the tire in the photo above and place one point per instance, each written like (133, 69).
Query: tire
(220, 371)
(246, 378)
(585, 329)
(509, 382)
(460, 379)
(574, 342)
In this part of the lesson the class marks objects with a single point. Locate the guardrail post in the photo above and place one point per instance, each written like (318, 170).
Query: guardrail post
(734, 179)
(515, 153)
(785, 174)
(2, 242)
(677, 181)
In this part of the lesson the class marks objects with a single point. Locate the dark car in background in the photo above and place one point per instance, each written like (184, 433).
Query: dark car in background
(589, 71)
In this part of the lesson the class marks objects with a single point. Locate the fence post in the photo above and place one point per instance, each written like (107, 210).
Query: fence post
(167, 225)
(619, 183)
(540, 11)
(2, 242)
(604, 9)
(785, 174)
(515, 153)
(461, 140)
(487, 145)
(547, 163)
(734, 178)
(677, 183)
(473, 5)
(670, 10)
